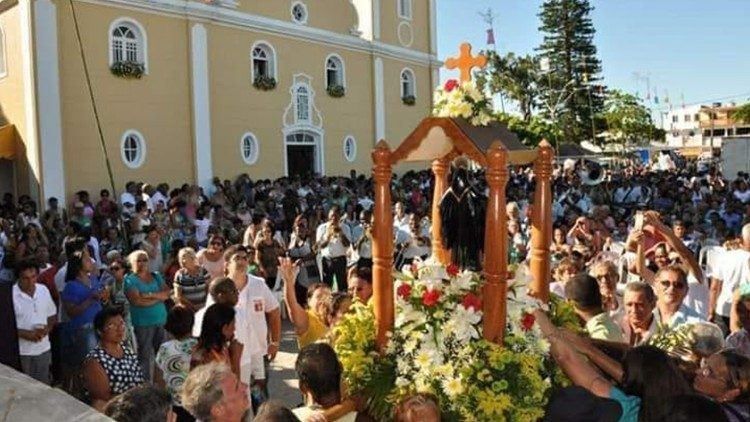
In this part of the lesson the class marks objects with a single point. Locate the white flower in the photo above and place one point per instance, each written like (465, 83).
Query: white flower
(402, 382)
(543, 345)
(464, 323)
(453, 386)
(410, 345)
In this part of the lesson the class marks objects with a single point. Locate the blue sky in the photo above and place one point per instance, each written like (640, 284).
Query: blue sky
(693, 48)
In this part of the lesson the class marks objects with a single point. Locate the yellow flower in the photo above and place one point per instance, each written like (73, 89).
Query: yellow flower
(453, 386)
(423, 359)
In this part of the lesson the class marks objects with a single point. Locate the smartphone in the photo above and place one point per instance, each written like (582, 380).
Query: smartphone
(638, 221)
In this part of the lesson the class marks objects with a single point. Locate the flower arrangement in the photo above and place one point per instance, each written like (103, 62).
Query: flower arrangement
(264, 83)
(463, 100)
(336, 91)
(128, 69)
(409, 100)
(437, 347)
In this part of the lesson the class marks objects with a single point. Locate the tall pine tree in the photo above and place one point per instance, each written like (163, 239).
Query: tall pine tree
(574, 68)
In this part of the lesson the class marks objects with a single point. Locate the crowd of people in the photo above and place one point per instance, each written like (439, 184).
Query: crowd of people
(173, 298)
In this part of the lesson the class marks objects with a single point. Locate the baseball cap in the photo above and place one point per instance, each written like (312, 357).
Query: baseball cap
(576, 404)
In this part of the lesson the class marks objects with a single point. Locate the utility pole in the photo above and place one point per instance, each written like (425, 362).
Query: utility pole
(489, 18)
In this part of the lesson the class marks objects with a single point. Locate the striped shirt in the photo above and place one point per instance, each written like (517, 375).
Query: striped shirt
(193, 286)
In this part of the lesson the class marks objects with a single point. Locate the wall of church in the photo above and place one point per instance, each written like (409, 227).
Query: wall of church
(12, 97)
(158, 105)
(411, 33)
(331, 15)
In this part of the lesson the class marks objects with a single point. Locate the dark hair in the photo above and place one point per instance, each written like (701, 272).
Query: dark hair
(101, 318)
(75, 265)
(337, 301)
(274, 411)
(693, 408)
(232, 251)
(583, 290)
(313, 287)
(319, 370)
(738, 367)
(221, 285)
(364, 273)
(652, 375)
(145, 403)
(179, 322)
(73, 245)
(216, 317)
(25, 265)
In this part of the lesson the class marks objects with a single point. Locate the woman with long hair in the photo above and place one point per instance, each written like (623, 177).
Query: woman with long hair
(216, 342)
(118, 269)
(146, 291)
(267, 253)
(29, 244)
(300, 249)
(212, 258)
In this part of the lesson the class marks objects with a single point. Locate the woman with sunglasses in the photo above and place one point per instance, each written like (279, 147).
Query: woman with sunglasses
(212, 258)
(146, 292)
(118, 270)
(725, 377)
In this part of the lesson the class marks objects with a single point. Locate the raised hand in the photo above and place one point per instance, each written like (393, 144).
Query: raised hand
(288, 269)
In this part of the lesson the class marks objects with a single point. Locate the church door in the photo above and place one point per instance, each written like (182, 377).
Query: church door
(302, 154)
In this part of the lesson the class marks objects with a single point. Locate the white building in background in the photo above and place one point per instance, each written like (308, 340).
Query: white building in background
(703, 125)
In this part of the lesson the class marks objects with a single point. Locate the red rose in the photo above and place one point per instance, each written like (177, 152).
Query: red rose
(430, 297)
(472, 301)
(450, 85)
(527, 322)
(452, 270)
(404, 291)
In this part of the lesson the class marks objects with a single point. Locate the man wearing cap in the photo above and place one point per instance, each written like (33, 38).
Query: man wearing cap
(583, 291)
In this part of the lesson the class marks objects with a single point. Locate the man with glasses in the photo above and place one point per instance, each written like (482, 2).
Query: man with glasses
(258, 313)
(671, 289)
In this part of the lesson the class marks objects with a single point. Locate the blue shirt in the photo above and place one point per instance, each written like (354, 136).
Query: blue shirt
(143, 316)
(76, 293)
(631, 405)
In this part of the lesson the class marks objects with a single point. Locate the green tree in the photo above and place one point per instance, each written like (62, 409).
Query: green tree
(628, 120)
(573, 70)
(530, 132)
(742, 114)
(515, 78)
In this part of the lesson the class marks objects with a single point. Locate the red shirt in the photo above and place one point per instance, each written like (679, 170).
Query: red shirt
(47, 278)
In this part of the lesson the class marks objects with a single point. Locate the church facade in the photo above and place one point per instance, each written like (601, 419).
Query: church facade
(190, 90)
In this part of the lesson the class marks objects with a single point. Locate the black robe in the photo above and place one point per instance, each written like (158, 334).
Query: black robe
(462, 214)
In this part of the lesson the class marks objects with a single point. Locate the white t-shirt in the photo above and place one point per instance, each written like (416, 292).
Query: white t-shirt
(251, 328)
(335, 247)
(32, 311)
(733, 270)
(201, 229)
(697, 296)
(127, 197)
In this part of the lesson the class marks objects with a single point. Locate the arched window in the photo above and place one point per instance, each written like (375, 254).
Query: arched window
(404, 9)
(133, 149)
(127, 42)
(3, 68)
(408, 84)
(249, 148)
(302, 103)
(264, 61)
(350, 149)
(334, 71)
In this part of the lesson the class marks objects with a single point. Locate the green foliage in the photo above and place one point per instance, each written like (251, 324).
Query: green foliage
(515, 77)
(409, 100)
(530, 132)
(742, 114)
(264, 83)
(336, 91)
(628, 120)
(128, 69)
(568, 45)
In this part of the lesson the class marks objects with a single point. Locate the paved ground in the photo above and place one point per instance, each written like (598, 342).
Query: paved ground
(283, 380)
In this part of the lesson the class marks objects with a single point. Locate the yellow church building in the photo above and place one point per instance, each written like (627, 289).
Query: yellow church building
(190, 90)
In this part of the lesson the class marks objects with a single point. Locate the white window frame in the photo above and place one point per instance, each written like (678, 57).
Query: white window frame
(304, 7)
(353, 156)
(3, 54)
(141, 140)
(413, 77)
(406, 6)
(273, 61)
(342, 69)
(297, 88)
(141, 37)
(254, 139)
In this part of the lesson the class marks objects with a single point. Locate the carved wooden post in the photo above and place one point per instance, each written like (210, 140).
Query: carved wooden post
(440, 170)
(495, 289)
(541, 220)
(382, 245)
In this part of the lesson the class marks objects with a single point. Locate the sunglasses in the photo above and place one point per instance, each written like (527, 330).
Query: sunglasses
(677, 286)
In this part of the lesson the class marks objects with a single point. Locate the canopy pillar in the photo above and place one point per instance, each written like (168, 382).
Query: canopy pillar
(440, 170)
(494, 291)
(541, 230)
(382, 245)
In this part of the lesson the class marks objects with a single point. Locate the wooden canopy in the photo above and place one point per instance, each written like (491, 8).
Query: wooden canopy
(437, 137)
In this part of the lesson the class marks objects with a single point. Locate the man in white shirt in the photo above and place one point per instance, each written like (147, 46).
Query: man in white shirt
(129, 195)
(258, 313)
(332, 240)
(36, 315)
(732, 271)
(671, 286)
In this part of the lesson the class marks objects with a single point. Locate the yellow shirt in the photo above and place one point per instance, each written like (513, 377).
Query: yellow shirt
(315, 330)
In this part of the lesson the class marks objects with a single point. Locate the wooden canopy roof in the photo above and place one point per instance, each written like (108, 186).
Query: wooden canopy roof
(436, 137)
